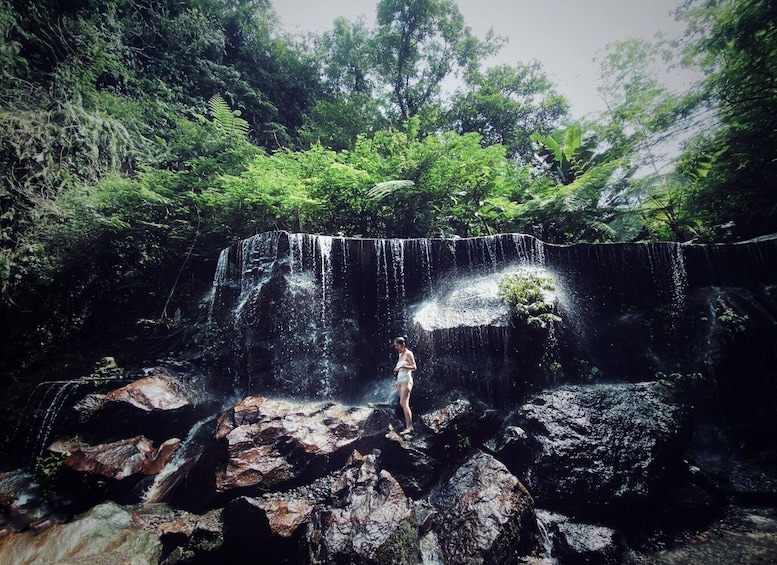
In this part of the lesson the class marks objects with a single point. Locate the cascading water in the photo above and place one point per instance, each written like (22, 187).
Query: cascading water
(314, 316)
(47, 408)
(199, 434)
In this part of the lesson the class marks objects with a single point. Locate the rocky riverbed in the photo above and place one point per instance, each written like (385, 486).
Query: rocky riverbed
(607, 473)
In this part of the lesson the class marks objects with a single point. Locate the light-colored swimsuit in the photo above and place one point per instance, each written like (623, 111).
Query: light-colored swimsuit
(404, 375)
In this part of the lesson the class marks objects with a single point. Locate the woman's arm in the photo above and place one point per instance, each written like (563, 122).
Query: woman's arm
(410, 361)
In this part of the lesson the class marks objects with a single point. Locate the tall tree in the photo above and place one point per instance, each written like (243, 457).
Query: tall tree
(506, 105)
(421, 43)
(352, 102)
(732, 167)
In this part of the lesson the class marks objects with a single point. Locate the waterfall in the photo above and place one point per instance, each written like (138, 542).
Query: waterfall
(199, 434)
(314, 316)
(47, 408)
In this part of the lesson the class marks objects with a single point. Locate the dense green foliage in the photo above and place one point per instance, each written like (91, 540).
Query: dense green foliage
(140, 138)
(529, 295)
(731, 167)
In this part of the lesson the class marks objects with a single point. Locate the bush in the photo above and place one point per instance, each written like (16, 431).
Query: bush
(529, 294)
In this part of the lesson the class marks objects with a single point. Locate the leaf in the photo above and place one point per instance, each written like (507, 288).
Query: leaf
(226, 119)
(387, 188)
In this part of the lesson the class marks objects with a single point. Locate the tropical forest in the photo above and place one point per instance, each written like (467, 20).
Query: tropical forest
(141, 138)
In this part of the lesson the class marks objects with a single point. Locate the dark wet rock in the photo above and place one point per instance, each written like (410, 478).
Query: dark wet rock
(91, 474)
(575, 542)
(275, 442)
(509, 444)
(182, 534)
(21, 502)
(693, 500)
(368, 519)
(485, 515)
(754, 478)
(167, 484)
(118, 460)
(161, 405)
(601, 445)
(456, 426)
(412, 467)
(269, 531)
(744, 535)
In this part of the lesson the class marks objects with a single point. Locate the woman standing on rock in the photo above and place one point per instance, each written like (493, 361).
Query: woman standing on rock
(404, 383)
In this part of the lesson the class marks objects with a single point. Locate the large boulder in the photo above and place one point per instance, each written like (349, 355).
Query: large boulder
(118, 460)
(273, 443)
(111, 534)
(483, 514)
(162, 404)
(367, 520)
(118, 470)
(105, 534)
(609, 445)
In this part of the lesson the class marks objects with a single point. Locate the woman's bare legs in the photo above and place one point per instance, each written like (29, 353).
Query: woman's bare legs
(404, 402)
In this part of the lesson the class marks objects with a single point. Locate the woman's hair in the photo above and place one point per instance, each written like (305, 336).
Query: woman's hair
(400, 340)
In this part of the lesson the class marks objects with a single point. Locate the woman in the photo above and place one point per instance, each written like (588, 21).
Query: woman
(404, 383)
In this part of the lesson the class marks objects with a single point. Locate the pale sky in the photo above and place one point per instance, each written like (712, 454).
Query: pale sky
(564, 35)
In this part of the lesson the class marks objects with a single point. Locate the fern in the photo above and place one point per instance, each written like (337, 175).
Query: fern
(227, 120)
(387, 188)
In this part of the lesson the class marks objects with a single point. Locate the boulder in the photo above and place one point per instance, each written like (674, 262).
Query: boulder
(118, 460)
(596, 446)
(110, 534)
(161, 405)
(368, 519)
(271, 443)
(484, 514)
(266, 530)
(457, 425)
(412, 467)
(105, 534)
(571, 541)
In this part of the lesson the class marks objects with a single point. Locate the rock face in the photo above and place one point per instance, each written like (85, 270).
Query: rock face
(601, 445)
(275, 442)
(484, 514)
(369, 519)
(627, 310)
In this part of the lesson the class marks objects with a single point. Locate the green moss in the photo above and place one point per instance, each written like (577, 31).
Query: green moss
(401, 547)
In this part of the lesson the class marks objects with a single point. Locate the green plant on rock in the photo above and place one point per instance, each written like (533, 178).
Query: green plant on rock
(47, 467)
(731, 320)
(529, 295)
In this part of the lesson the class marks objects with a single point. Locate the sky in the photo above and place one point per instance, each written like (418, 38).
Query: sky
(564, 35)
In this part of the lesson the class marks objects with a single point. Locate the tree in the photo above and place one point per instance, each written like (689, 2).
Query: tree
(422, 42)
(352, 102)
(732, 166)
(506, 105)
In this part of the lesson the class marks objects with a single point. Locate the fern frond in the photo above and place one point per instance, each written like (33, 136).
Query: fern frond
(384, 189)
(226, 119)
